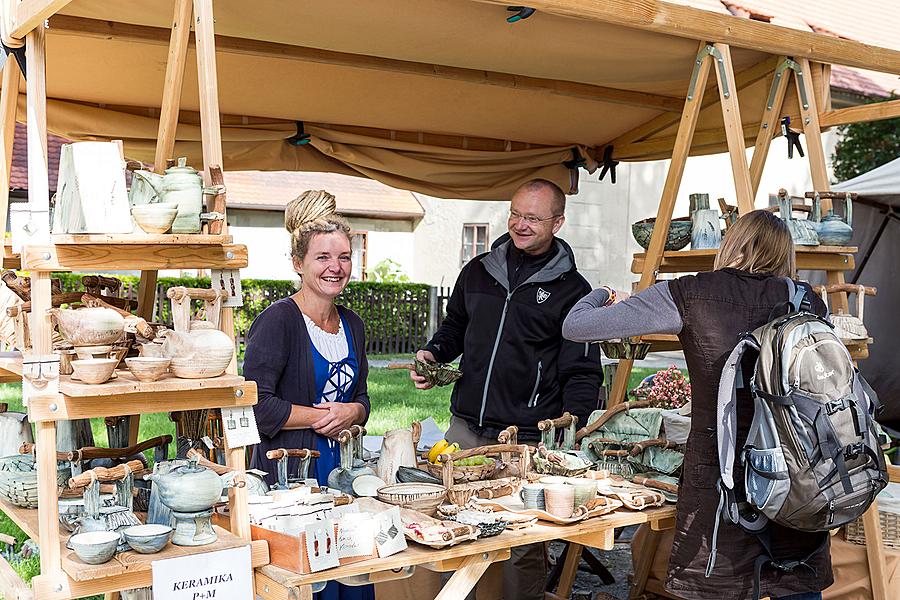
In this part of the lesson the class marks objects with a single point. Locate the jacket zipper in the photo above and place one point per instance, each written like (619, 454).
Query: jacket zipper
(537, 383)
(487, 379)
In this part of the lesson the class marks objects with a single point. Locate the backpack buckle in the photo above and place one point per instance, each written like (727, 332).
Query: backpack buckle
(834, 406)
(853, 451)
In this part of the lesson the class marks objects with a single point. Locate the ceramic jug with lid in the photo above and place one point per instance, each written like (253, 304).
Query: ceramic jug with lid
(803, 231)
(182, 185)
(832, 229)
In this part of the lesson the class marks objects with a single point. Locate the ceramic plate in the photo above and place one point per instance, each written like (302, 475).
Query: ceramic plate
(367, 485)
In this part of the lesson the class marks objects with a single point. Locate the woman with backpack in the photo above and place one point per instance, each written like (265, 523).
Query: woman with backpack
(709, 312)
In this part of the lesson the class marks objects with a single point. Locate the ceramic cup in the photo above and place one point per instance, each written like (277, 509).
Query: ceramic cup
(560, 500)
(532, 495)
(585, 490)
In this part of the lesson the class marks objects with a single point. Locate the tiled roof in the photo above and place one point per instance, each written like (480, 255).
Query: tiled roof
(356, 196)
(18, 175)
(871, 21)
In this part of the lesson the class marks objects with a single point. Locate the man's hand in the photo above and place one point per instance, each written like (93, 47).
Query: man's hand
(340, 416)
(421, 382)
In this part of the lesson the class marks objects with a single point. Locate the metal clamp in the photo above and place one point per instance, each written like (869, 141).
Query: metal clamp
(786, 64)
(709, 50)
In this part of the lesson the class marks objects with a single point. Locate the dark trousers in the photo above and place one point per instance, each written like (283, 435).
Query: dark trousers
(525, 573)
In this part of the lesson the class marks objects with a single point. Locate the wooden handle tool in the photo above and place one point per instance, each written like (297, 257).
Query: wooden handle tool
(105, 475)
(564, 421)
(301, 453)
(656, 484)
(90, 452)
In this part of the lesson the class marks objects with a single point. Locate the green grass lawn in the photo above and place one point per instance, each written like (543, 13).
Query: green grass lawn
(395, 403)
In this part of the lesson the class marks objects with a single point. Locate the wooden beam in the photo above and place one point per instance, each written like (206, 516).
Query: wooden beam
(64, 24)
(8, 107)
(734, 133)
(663, 145)
(857, 114)
(809, 116)
(767, 130)
(680, 152)
(36, 114)
(745, 78)
(171, 99)
(569, 570)
(464, 579)
(31, 14)
(677, 20)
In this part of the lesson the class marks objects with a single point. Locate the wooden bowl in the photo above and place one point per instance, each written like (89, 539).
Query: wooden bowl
(422, 497)
(94, 370)
(145, 368)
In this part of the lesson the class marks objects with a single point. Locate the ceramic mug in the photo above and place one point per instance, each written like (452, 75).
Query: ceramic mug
(560, 500)
(585, 490)
(532, 496)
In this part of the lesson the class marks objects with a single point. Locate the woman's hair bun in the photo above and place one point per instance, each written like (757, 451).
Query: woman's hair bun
(309, 207)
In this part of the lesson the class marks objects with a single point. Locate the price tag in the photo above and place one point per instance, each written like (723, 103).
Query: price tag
(230, 281)
(240, 426)
(40, 376)
(222, 575)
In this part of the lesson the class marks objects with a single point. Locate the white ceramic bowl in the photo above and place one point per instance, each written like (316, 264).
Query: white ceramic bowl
(94, 370)
(95, 547)
(146, 368)
(154, 218)
(194, 368)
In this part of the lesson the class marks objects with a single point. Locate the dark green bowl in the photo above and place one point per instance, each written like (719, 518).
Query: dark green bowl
(679, 233)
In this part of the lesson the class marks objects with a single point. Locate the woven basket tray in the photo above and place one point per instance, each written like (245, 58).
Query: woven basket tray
(890, 530)
(18, 479)
(422, 497)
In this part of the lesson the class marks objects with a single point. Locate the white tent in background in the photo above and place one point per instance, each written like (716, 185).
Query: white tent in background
(876, 231)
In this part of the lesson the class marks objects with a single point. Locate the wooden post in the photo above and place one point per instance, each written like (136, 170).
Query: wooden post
(9, 96)
(734, 129)
(466, 576)
(686, 128)
(766, 132)
(809, 115)
(38, 178)
(875, 552)
(569, 570)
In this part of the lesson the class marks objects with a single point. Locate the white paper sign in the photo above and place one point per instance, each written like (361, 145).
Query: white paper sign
(389, 536)
(239, 424)
(222, 575)
(40, 376)
(321, 547)
(230, 281)
(356, 535)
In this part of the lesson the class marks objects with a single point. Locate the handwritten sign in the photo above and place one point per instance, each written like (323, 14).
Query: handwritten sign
(356, 535)
(222, 575)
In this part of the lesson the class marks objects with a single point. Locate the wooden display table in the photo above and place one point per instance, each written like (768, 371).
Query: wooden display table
(468, 560)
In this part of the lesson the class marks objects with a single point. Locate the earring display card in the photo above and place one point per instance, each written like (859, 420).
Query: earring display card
(321, 547)
(240, 428)
(40, 376)
(389, 536)
(356, 535)
(230, 281)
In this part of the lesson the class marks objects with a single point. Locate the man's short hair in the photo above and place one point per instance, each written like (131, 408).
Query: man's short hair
(558, 205)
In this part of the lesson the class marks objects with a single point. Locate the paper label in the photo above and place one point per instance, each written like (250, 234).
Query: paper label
(321, 547)
(389, 535)
(356, 535)
(239, 424)
(222, 575)
(40, 376)
(230, 281)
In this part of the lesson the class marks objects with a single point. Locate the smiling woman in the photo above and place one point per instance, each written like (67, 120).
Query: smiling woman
(307, 355)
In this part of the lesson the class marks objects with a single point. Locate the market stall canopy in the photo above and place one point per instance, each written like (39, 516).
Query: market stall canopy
(441, 97)
(876, 231)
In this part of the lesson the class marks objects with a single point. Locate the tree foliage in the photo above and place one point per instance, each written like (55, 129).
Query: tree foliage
(864, 146)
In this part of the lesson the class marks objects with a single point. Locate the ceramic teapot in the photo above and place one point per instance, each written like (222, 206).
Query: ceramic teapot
(832, 229)
(188, 488)
(803, 231)
(180, 185)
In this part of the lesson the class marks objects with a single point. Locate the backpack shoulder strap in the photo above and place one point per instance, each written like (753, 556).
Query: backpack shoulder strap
(726, 409)
(797, 296)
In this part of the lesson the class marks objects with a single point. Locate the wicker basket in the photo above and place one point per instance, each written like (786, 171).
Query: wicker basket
(421, 497)
(463, 474)
(18, 479)
(890, 530)
(460, 494)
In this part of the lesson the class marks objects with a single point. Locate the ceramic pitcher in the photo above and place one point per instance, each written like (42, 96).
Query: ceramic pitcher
(705, 230)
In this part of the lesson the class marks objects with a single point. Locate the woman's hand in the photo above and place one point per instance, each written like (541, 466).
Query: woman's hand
(341, 415)
(421, 382)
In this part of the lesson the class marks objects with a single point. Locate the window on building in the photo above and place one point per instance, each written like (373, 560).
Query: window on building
(474, 242)
(359, 243)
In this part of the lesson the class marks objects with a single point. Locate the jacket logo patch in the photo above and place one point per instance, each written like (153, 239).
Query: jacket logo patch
(542, 295)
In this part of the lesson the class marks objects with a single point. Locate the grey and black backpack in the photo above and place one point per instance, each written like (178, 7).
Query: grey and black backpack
(812, 459)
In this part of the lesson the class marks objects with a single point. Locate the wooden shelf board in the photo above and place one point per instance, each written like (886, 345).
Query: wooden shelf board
(416, 554)
(140, 238)
(828, 258)
(130, 567)
(140, 253)
(10, 260)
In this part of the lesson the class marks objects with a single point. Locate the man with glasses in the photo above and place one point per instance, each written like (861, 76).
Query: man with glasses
(505, 318)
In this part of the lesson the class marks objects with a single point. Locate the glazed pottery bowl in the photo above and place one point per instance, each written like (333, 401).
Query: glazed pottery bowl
(145, 368)
(679, 233)
(154, 218)
(94, 370)
(89, 326)
(147, 539)
(196, 368)
(95, 547)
